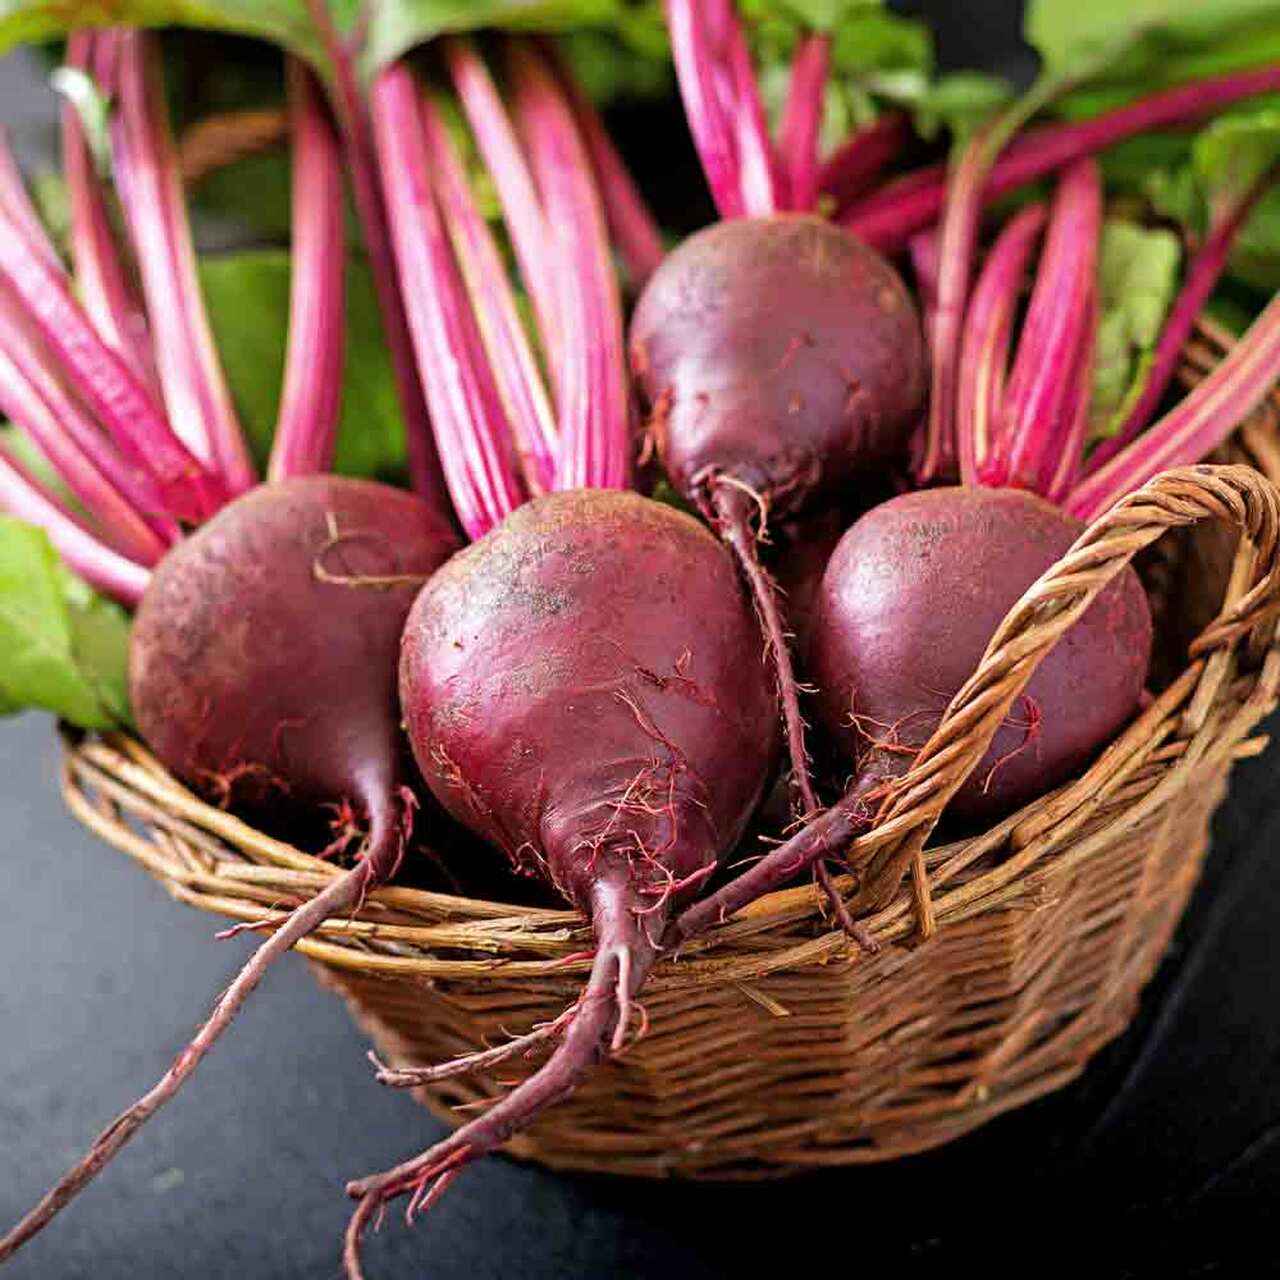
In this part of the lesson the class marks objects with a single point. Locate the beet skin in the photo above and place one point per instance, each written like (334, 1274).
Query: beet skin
(583, 687)
(570, 684)
(782, 352)
(910, 599)
(263, 657)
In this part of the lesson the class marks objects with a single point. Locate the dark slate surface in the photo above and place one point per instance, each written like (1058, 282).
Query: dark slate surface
(1161, 1161)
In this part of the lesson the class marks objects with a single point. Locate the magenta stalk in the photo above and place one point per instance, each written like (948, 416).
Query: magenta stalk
(1037, 404)
(802, 119)
(522, 211)
(595, 444)
(124, 407)
(515, 368)
(311, 398)
(887, 218)
(149, 182)
(425, 471)
(631, 225)
(472, 432)
(105, 288)
(1196, 425)
(35, 401)
(24, 497)
(712, 131)
(855, 166)
(984, 352)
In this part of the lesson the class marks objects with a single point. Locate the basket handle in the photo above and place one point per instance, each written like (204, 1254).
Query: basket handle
(1237, 495)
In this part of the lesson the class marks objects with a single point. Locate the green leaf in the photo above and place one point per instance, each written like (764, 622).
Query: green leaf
(248, 297)
(100, 646)
(1173, 39)
(283, 22)
(957, 102)
(1160, 42)
(1137, 281)
(65, 647)
(1233, 152)
(395, 26)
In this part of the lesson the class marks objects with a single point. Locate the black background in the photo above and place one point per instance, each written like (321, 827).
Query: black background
(1161, 1161)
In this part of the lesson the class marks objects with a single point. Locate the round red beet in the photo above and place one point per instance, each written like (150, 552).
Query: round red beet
(263, 657)
(781, 352)
(776, 360)
(910, 599)
(583, 687)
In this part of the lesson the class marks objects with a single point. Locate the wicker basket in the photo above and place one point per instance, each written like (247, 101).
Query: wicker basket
(774, 1045)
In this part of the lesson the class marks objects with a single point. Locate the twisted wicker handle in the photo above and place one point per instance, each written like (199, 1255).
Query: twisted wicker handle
(1237, 495)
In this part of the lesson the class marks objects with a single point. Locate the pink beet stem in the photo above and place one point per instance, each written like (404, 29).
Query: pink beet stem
(311, 399)
(508, 167)
(353, 119)
(34, 400)
(1196, 425)
(32, 362)
(759, 167)
(1202, 276)
(514, 364)
(984, 353)
(709, 122)
(633, 227)
(149, 181)
(1054, 330)
(15, 204)
(857, 163)
(923, 248)
(595, 443)
(886, 218)
(1061, 474)
(121, 403)
(957, 242)
(21, 495)
(105, 287)
(471, 427)
(802, 119)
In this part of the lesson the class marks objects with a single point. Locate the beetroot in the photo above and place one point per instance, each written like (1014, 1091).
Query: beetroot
(262, 669)
(776, 359)
(909, 600)
(908, 603)
(778, 353)
(570, 683)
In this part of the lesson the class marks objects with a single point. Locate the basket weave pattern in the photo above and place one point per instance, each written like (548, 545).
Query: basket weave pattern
(772, 1044)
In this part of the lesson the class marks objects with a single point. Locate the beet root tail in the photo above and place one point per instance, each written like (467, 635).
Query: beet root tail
(852, 815)
(623, 958)
(481, 1060)
(732, 504)
(345, 894)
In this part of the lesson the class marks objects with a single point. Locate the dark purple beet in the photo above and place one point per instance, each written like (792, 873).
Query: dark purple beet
(263, 657)
(583, 687)
(799, 559)
(909, 600)
(781, 352)
(776, 360)
(263, 670)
